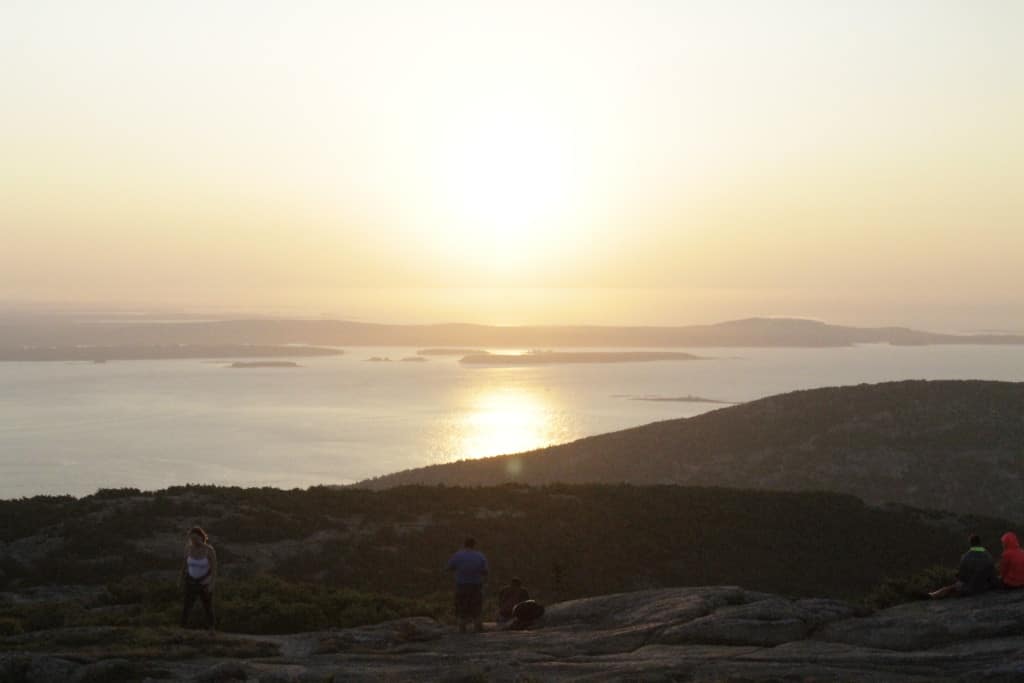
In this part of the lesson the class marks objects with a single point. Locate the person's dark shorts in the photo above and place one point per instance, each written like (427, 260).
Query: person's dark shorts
(469, 600)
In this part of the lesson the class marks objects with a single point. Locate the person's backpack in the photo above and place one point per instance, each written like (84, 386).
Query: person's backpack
(526, 612)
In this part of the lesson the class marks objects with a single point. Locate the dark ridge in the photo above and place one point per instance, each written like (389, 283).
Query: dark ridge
(933, 444)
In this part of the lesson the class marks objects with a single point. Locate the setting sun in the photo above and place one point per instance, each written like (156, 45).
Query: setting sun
(341, 148)
(505, 182)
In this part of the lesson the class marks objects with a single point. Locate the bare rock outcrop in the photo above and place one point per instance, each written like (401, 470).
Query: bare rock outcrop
(712, 634)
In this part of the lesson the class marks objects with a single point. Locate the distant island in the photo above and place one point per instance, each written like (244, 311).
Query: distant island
(378, 359)
(265, 364)
(414, 359)
(17, 335)
(556, 357)
(678, 399)
(101, 354)
(450, 352)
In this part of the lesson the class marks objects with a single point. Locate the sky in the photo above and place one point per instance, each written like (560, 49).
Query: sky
(518, 163)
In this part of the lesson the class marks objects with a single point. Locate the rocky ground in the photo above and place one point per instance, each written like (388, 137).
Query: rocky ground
(713, 634)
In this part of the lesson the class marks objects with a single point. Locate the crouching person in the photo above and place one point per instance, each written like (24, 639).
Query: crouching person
(1011, 563)
(977, 573)
(508, 597)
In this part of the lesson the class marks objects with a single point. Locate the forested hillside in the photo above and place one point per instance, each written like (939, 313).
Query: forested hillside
(956, 445)
(302, 560)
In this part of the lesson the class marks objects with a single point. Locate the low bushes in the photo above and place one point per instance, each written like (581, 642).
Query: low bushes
(257, 605)
(916, 587)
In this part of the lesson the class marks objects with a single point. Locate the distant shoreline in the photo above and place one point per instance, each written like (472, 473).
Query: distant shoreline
(102, 354)
(456, 339)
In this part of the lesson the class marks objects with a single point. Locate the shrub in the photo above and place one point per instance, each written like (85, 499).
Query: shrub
(9, 626)
(116, 493)
(270, 615)
(261, 604)
(897, 591)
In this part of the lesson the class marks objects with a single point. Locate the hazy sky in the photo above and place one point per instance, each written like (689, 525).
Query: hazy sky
(610, 162)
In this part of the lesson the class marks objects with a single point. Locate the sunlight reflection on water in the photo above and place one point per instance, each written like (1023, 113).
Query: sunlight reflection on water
(503, 418)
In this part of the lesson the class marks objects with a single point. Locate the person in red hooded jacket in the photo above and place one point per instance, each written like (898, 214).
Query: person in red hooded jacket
(1011, 564)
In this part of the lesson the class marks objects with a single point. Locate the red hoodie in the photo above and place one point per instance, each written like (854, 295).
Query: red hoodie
(1011, 564)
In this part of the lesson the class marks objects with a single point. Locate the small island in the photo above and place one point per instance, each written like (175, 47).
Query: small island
(689, 398)
(556, 357)
(265, 364)
(378, 359)
(414, 359)
(450, 352)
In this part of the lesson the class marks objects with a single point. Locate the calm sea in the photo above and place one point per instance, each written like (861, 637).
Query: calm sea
(77, 427)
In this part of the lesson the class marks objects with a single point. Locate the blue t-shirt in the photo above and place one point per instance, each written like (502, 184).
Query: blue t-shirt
(470, 566)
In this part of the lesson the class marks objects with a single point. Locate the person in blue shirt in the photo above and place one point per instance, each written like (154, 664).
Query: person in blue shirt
(470, 567)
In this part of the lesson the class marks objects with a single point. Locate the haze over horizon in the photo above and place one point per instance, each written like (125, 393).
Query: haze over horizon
(618, 163)
(531, 308)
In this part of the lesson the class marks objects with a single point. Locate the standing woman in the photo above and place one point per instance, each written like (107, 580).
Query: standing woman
(198, 573)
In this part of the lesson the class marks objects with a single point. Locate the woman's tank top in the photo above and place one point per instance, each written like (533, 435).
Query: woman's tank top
(198, 567)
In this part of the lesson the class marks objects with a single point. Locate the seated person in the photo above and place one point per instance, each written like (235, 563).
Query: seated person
(977, 573)
(1011, 564)
(510, 596)
(526, 615)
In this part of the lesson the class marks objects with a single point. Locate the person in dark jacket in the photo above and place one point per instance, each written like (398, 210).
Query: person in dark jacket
(977, 573)
(1011, 563)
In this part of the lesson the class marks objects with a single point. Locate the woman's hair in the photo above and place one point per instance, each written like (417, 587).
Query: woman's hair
(202, 534)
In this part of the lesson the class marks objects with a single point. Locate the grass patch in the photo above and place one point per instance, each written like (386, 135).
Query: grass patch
(255, 605)
(892, 592)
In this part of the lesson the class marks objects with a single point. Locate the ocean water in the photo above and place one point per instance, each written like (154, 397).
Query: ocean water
(76, 427)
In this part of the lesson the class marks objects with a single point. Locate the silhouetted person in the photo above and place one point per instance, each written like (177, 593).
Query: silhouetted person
(1011, 563)
(198, 574)
(470, 567)
(977, 573)
(510, 596)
